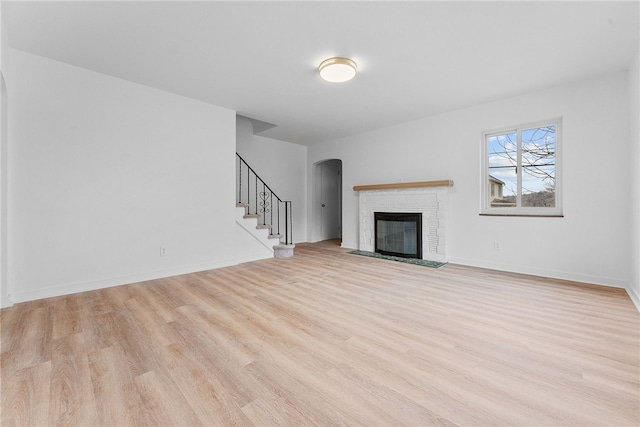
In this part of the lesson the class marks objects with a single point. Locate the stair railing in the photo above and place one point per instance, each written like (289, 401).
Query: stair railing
(262, 201)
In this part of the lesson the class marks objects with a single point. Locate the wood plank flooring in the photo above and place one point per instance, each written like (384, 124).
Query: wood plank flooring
(326, 338)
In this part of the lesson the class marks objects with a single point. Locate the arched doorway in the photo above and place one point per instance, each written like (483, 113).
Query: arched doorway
(327, 200)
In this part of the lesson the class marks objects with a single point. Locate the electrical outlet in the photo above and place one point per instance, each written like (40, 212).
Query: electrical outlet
(497, 245)
(163, 251)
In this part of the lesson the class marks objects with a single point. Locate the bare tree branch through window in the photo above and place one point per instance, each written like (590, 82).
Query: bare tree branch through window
(522, 167)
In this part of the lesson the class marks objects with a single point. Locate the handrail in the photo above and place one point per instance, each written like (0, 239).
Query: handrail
(261, 203)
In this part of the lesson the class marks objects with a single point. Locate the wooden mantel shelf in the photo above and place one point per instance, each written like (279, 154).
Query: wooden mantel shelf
(441, 183)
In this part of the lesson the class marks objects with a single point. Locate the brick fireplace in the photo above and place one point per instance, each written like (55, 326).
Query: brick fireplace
(430, 198)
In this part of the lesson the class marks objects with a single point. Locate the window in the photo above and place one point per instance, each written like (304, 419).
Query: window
(521, 168)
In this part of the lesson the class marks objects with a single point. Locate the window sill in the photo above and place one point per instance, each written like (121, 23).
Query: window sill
(524, 215)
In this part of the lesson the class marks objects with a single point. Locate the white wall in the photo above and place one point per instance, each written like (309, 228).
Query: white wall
(634, 159)
(4, 138)
(588, 244)
(4, 286)
(103, 172)
(282, 165)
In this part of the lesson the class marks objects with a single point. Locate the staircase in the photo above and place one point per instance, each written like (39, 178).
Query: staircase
(262, 213)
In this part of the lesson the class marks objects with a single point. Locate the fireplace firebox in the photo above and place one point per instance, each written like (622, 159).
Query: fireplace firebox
(398, 234)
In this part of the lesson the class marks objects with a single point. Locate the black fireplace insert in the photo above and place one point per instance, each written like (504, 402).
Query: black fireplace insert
(398, 234)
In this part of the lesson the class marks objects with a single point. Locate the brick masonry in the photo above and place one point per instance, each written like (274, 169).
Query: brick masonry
(432, 202)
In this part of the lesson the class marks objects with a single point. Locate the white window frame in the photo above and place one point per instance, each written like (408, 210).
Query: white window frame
(485, 207)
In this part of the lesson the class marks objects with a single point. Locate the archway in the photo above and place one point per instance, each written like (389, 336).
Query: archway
(327, 200)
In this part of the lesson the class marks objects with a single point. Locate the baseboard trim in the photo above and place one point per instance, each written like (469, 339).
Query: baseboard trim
(73, 288)
(635, 298)
(253, 257)
(541, 272)
(349, 245)
(6, 302)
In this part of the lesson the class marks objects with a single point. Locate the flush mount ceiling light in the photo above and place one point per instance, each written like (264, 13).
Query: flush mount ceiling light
(337, 70)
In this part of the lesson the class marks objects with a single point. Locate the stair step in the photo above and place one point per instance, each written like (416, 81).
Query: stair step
(250, 216)
(261, 226)
(242, 205)
(274, 236)
(283, 251)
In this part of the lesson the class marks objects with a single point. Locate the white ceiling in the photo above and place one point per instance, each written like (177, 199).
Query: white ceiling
(259, 58)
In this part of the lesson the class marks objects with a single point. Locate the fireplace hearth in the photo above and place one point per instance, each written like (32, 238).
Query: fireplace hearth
(398, 234)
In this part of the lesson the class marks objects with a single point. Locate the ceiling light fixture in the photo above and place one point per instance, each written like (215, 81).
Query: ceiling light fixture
(337, 70)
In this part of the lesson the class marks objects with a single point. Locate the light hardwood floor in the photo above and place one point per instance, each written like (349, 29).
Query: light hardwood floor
(326, 338)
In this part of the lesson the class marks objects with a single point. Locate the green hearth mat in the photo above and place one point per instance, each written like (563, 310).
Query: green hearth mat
(422, 262)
